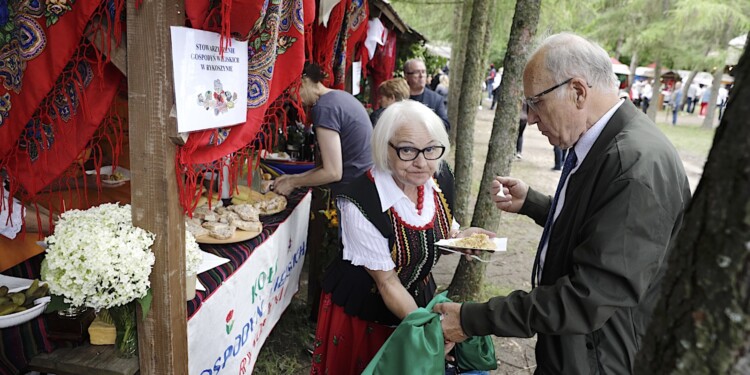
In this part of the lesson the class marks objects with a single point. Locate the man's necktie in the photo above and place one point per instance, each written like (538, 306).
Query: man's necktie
(570, 162)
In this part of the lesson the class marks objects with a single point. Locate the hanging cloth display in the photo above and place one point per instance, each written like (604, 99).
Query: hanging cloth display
(57, 86)
(275, 35)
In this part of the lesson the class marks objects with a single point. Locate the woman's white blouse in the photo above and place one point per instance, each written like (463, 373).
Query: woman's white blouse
(362, 241)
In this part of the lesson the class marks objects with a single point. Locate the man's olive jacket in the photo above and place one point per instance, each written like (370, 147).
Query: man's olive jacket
(606, 254)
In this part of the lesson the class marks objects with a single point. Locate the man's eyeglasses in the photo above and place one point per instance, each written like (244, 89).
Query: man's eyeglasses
(532, 101)
(411, 153)
(420, 72)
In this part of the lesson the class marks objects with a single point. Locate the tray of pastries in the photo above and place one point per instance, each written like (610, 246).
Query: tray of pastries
(267, 204)
(218, 224)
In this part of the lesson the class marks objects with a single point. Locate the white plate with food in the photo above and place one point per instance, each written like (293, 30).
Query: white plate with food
(282, 156)
(112, 177)
(475, 242)
(32, 309)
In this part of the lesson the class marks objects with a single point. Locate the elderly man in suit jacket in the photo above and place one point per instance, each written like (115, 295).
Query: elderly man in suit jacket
(607, 229)
(416, 76)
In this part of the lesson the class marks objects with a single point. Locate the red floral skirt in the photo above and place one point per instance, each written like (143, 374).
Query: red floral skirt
(344, 344)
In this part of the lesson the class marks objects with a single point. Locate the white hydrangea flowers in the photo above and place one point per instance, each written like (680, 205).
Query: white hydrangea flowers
(97, 258)
(193, 255)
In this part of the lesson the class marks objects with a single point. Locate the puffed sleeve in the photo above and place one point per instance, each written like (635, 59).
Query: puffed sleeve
(363, 243)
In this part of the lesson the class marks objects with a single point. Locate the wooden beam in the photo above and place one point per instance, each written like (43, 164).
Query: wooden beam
(162, 337)
(118, 55)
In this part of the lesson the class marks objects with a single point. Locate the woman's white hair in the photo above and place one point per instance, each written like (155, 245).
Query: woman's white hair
(567, 55)
(405, 113)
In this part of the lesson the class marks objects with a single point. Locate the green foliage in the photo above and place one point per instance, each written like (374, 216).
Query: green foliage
(691, 141)
(431, 62)
(430, 18)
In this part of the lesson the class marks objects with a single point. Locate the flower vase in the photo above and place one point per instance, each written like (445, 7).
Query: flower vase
(190, 286)
(126, 339)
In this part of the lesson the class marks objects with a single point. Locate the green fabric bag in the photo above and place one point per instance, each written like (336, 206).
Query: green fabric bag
(416, 347)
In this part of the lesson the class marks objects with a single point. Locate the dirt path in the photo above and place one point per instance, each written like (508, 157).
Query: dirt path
(511, 270)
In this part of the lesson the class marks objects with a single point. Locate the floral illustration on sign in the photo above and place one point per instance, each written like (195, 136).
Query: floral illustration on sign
(230, 322)
(221, 101)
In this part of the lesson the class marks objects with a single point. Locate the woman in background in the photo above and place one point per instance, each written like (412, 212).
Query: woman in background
(389, 92)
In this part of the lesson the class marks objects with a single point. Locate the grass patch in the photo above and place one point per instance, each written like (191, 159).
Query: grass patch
(285, 350)
(690, 140)
(491, 290)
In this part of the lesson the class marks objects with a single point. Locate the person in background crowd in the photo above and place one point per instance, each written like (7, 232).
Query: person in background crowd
(692, 92)
(721, 100)
(675, 101)
(497, 84)
(646, 94)
(415, 71)
(521, 127)
(705, 98)
(389, 92)
(435, 81)
(390, 219)
(560, 156)
(607, 230)
(635, 93)
(490, 79)
(342, 131)
(442, 88)
(698, 94)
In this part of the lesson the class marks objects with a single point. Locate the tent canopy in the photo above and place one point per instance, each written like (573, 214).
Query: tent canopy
(734, 49)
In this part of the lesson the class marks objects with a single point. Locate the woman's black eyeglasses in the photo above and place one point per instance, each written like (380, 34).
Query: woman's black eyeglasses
(411, 153)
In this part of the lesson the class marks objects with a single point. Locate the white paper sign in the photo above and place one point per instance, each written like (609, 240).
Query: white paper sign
(356, 76)
(210, 89)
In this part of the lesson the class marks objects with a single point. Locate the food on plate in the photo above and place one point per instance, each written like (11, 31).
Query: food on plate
(476, 241)
(15, 302)
(196, 229)
(245, 193)
(228, 216)
(246, 211)
(114, 177)
(250, 226)
(267, 204)
(215, 199)
(276, 203)
(206, 214)
(221, 222)
(220, 231)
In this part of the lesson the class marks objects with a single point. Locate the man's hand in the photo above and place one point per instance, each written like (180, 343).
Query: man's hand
(283, 185)
(514, 193)
(451, 321)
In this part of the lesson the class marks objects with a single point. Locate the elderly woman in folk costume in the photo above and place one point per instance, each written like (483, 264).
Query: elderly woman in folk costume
(391, 218)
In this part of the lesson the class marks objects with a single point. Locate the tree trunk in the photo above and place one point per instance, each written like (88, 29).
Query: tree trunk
(458, 54)
(686, 87)
(468, 278)
(653, 108)
(486, 45)
(618, 46)
(700, 325)
(708, 121)
(633, 65)
(467, 106)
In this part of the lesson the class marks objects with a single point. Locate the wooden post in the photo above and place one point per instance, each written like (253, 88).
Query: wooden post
(162, 336)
